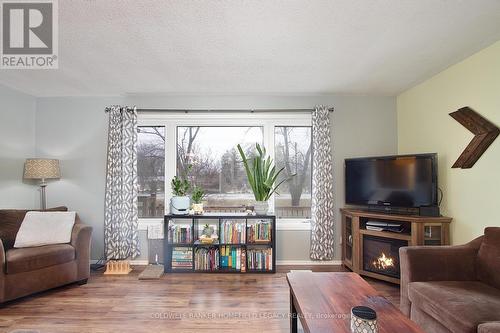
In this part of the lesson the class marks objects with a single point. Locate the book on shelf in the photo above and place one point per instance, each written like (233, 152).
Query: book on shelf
(232, 232)
(259, 232)
(260, 259)
(206, 259)
(179, 233)
(182, 258)
(231, 257)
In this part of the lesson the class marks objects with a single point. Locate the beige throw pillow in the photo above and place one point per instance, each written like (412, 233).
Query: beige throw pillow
(45, 228)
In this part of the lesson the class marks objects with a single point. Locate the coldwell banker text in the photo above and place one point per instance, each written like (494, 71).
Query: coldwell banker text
(29, 35)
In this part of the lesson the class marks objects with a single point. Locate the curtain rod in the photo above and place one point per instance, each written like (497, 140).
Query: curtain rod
(107, 109)
(226, 111)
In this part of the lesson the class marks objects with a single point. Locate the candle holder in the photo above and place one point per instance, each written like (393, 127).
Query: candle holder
(363, 320)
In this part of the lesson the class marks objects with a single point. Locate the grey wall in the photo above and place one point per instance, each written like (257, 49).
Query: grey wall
(17, 142)
(74, 130)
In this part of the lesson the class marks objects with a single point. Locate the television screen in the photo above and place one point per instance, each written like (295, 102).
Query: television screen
(400, 181)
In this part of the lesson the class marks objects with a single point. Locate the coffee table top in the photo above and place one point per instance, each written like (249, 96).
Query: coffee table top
(325, 301)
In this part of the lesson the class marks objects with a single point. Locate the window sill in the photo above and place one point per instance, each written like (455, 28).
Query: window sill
(281, 224)
(293, 224)
(144, 222)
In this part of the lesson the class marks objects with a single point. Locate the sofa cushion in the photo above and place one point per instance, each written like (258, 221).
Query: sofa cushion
(488, 258)
(10, 222)
(33, 258)
(459, 305)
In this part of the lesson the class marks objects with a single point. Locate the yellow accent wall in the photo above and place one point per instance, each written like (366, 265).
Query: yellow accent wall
(471, 196)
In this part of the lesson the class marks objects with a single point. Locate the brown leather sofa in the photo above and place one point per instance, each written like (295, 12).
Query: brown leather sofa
(453, 288)
(26, 271)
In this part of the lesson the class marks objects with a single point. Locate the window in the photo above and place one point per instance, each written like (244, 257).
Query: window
(170, 142)
(151, 171)
(293, 149)
(210, 159)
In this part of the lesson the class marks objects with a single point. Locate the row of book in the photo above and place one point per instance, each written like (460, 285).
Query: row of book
(260, 259)
(232, 257)
(179, 233)
(229, 257)
(182, 258)
(232, 232)
(260, 231)
(206, 259)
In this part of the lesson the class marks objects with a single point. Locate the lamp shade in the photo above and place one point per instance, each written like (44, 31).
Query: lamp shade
(41, 168)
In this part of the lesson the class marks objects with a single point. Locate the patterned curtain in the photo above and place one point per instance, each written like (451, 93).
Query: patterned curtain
(322, 210)
(120, 207)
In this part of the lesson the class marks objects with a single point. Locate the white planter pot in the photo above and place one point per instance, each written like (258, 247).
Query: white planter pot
(261, 207)
(179, 205)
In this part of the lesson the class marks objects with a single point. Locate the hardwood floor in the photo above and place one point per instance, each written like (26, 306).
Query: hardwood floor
(176, 303)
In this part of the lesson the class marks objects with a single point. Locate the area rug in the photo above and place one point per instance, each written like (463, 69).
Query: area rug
(151, 272)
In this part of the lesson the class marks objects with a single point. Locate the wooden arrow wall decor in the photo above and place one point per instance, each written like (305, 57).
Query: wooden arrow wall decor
(484, 132)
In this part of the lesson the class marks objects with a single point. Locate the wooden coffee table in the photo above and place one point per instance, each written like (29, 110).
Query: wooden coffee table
(323, 302)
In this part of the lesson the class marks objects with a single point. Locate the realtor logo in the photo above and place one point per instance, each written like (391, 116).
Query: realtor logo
(29, 34)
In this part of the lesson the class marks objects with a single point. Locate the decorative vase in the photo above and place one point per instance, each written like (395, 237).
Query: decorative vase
(179, 205)
(198, 208)
(363, 320)
(261, 207)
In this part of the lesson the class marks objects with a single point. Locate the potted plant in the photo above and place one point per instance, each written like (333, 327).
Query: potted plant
(208, 235)
(208, 230)
(262, 175)
(179, 203)
(197, 197)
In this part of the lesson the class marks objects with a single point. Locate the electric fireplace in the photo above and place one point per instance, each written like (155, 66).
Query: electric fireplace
(381, 255)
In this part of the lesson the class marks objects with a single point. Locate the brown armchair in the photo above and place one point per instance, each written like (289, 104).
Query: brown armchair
(453, 289)
(25, 271)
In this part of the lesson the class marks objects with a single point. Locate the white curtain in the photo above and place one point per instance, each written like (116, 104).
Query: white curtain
(120, 211)
(322, 208)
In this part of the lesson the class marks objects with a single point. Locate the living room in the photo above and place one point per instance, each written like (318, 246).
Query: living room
(321, 166)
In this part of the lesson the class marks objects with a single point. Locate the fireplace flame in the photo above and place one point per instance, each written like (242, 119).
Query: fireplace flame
(383, 262)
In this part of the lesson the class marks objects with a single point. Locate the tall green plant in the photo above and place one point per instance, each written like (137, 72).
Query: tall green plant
(261, 173)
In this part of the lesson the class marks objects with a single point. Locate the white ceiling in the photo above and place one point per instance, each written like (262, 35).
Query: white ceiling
(258, 47)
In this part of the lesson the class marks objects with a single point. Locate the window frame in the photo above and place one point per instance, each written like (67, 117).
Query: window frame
(268, 121)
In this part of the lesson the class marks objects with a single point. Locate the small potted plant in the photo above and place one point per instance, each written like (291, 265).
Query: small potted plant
(208, 230)
(208, 235)
(179, 203)
(197, 198)
(262, 175)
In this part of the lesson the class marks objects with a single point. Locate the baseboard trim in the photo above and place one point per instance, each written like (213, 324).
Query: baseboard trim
(139, 262)
(308, 262)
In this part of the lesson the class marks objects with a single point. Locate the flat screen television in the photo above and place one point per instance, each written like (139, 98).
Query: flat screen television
(406, 181)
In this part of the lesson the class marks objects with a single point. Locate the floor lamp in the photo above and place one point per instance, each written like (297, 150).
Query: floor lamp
(42, 169)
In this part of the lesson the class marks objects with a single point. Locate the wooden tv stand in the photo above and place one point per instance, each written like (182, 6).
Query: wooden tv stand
(418, 230)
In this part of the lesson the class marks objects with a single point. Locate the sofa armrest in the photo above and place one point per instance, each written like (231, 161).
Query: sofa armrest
(80, 240)
(2, 272)
(491, 327)
(436, 263)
